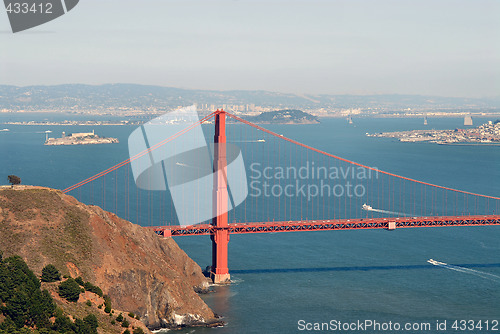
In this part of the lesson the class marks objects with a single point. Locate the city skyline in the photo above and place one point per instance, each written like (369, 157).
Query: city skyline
(448, 48)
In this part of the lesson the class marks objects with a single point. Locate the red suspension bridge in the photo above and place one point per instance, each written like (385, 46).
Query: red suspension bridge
(292, 187)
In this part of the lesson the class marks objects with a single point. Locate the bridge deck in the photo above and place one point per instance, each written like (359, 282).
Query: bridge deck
(337, 224)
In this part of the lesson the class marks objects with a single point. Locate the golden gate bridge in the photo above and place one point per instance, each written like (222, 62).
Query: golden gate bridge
(294, 187)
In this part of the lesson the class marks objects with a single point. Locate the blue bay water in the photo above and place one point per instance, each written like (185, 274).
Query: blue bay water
(330, 275)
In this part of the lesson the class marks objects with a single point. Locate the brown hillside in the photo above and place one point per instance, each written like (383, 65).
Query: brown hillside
(141, 272)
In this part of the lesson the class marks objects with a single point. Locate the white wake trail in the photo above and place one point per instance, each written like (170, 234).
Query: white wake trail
(464, 270)
(389, 212)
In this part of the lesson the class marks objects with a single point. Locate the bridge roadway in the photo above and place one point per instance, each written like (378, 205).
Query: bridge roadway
(326, 225)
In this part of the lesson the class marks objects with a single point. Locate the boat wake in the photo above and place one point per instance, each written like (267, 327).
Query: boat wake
(390, 212)
(369, 208)
(482, 274)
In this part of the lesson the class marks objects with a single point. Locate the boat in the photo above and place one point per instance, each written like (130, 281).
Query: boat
(261, 140)
(366, 207)
(425, 120)
(4, 130)
(436, 263)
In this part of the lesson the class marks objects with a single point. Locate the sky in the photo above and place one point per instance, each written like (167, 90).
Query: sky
(427, 47)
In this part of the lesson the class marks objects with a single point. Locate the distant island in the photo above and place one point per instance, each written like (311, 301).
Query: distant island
(486, 134)
(80, 138)
(287, 116)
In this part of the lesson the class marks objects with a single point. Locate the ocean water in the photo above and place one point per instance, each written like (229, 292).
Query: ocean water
(283, 280)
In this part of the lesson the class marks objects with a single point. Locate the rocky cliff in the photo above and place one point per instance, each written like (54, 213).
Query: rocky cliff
(141, 272)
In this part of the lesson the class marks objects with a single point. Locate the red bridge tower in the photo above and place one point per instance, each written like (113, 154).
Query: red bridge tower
(220, 236)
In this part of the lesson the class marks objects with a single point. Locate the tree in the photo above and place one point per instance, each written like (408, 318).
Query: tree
(119, 318)
(79, 280)
(41, 308)
(125, 323)
(21, 300)
(92, 288)
(91, 320)
(107, 304)
(138, 330)
(63, 324)
(13, 179)
(70, 290)
(83, 327)
(50, 274)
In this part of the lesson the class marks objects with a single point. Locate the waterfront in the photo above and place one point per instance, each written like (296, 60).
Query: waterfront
(318, 276)
(488, 133)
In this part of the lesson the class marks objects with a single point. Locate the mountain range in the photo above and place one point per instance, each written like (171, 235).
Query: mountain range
(116, 97)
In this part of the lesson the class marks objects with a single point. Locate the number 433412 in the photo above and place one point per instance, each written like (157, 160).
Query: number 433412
(25, 8)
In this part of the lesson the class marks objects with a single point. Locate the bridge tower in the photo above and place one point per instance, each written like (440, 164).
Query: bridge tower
(220, 238)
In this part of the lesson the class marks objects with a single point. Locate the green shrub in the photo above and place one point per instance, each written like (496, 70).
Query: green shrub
(119, 318)
(107, 304)
(83, 327)
(91, 320)
(125, 323)
(138, 330)
(79, 280)
(126, 331)
(50, 274)
(70, 290)
(59, 312)
(131, 314)
(113, 322)
(89, 303)
(92, 288)
(63, 324)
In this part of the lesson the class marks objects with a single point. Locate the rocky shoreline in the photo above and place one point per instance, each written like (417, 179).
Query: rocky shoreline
(486, 134)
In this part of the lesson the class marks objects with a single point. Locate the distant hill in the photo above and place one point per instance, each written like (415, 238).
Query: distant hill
(141, 272)
(287, 116)
(122, 97)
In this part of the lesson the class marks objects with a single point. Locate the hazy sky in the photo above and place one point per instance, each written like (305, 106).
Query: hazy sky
(448, 48)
